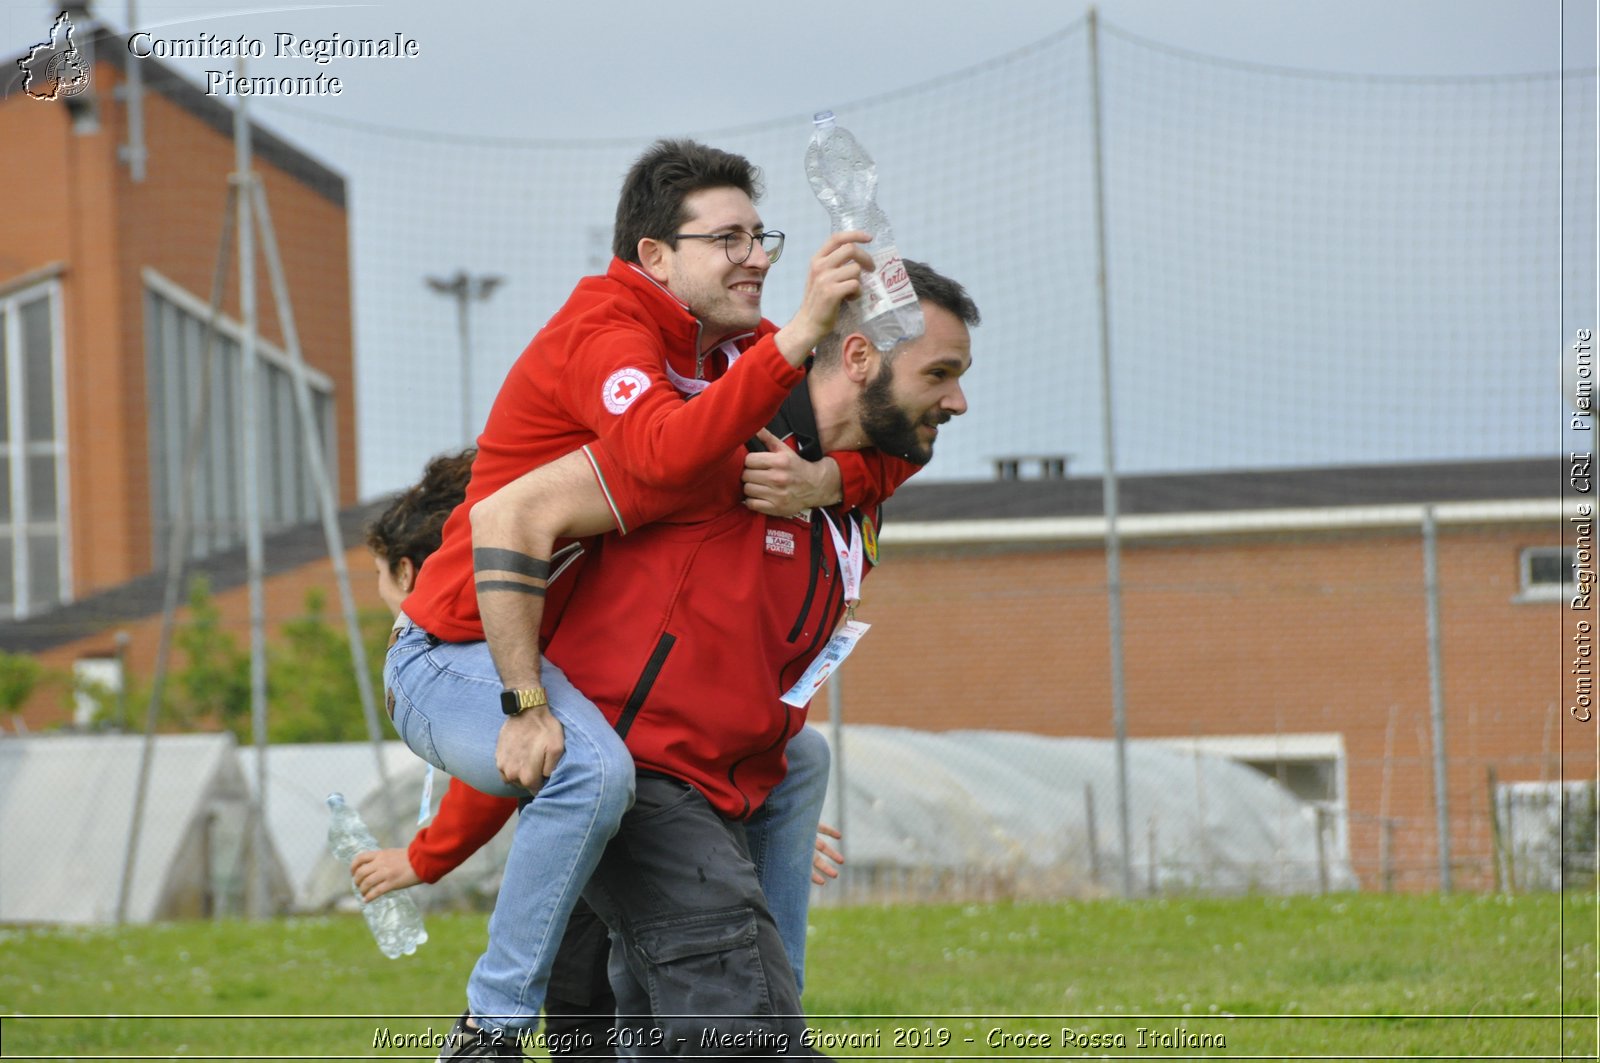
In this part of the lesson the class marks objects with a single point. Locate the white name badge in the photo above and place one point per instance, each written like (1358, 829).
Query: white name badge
(832, 656)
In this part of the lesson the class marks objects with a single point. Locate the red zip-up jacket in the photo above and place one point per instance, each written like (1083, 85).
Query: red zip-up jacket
(687, 635)
(466, 821)
(635, 609)
(602, 371)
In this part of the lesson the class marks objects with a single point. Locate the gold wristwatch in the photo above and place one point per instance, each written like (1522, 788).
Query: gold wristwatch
(513, 702)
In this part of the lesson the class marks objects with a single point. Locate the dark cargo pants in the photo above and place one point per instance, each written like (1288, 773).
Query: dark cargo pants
(697, 965)
(579, 1010)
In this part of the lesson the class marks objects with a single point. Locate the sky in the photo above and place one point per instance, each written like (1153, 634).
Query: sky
(538, 68)
(629, 71)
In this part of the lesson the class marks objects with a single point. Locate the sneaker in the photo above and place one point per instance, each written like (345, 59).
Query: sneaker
(464, 1042)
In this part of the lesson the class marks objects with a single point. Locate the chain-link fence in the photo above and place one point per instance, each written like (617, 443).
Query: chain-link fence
(1303, 271)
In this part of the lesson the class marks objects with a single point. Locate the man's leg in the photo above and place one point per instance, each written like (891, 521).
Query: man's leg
(782, 836)
(699, 947)
(580, 1010)
(447, 708)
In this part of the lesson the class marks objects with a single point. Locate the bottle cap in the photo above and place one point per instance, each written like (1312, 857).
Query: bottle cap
(822, 118)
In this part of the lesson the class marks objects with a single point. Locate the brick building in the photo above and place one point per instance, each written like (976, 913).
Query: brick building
(1280, 618)
(112, 214)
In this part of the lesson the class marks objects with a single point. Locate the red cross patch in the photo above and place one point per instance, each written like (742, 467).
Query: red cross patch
(623, 388)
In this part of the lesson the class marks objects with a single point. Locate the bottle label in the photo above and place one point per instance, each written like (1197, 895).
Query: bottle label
(888, 287)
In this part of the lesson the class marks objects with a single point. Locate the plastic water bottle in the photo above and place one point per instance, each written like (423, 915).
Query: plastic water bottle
(394, 918)
(845, 179)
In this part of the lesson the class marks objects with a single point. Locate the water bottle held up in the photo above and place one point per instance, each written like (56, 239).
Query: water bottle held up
(393, 918)
(845, 179)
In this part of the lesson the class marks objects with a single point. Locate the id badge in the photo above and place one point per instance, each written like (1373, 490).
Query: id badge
(833, 654)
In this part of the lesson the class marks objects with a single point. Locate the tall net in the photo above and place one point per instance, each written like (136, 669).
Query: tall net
(1302, 269)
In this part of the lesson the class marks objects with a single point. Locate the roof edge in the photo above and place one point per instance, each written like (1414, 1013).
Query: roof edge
(1236, 522)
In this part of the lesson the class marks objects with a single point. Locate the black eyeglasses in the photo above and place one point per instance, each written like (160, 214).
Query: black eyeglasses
(738, 244)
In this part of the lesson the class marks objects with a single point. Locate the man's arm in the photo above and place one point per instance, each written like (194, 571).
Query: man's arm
(466, 821)
(778, 482)
(514, 532)
(616, 386)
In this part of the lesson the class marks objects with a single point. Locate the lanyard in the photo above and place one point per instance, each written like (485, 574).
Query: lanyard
(843, 640)
(685, 385)
(850, 562)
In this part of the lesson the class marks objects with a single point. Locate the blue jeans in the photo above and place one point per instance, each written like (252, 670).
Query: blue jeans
(447, 709)
(782, 836)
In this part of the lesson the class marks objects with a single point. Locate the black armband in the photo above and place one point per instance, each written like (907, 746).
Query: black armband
(494, 559)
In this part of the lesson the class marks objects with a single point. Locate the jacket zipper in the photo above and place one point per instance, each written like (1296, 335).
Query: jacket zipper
(819, 561)
(700, 356)
(783, 737)
(830, 620)
(647, 679)
(830, 617)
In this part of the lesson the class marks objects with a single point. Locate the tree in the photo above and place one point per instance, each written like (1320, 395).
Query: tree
(18, 677)
(214, 682)
(312, 694)
(310, 680)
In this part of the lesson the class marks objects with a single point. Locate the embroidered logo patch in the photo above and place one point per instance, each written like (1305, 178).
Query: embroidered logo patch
(622, 388)
(780, 542)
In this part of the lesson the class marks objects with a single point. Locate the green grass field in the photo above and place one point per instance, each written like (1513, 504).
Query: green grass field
(1338, 977)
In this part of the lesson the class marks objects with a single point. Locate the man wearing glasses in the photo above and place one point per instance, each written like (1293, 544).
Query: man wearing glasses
(679, 307)
(711, 627)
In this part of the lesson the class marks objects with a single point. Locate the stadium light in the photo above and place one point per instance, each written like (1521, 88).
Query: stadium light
(464, 288)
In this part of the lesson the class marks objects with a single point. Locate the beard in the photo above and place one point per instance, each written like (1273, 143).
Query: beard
(889, 427)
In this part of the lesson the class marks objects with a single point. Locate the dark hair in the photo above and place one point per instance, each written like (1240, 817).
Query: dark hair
(651, 203)
(414, 522)
(930, 285)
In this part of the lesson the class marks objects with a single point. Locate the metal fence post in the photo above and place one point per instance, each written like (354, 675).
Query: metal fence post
(1441, 794)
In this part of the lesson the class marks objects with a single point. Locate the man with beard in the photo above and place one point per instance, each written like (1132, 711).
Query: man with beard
(696, 638)
(678, 307)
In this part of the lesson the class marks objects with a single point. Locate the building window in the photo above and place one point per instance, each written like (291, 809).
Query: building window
(1547, 572)
(175, 343)
(35, 573)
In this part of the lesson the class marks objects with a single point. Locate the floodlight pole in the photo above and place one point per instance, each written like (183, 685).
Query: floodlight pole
(250, 488)
(177, 559)
(316, 459)
(1108, 436)
(464, 288)
(132, 93)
